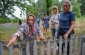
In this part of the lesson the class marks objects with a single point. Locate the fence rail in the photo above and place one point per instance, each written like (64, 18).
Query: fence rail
(39, 47)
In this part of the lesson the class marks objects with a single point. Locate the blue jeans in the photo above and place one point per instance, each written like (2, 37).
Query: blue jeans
(53, 33)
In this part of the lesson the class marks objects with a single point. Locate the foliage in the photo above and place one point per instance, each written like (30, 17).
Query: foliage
(76, 7)
(82, 6)
(15, 20)
(6, 8)
(6, 20)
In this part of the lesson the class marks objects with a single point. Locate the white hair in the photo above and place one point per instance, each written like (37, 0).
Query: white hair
(69, 3)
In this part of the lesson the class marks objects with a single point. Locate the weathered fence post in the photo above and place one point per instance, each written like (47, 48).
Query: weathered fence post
(20, 48)
(82, 45)
(2, 52)
(48, 47)
(35, 48)
(42, 48)
(65, 49)
(11, 50)
(54, 47)
(70, 44)
(76, 38)
(60, 45)
(27, 49)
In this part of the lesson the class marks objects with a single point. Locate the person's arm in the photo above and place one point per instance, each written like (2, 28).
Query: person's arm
(40, 33)
(52, 21)
(72, 25)
(14, 38)
(70, 29)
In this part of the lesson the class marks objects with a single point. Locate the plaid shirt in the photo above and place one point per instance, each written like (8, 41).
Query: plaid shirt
(24, 29)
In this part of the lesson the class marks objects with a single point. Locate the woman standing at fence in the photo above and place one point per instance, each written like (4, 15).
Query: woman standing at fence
(54, 21)
(66, 23)
(29, 30)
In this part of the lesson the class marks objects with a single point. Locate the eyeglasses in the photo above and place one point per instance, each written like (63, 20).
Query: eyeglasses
(65, 5)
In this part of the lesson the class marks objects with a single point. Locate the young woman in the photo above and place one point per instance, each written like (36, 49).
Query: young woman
(66, 23)
(29, 30)
(54, 21)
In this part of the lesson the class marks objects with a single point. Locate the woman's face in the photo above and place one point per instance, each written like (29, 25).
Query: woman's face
(55, 11)
(65, 7)
(30, 20)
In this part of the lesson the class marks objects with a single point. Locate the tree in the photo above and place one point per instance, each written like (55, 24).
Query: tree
(6, 7)
(82, 6)
(76, 7)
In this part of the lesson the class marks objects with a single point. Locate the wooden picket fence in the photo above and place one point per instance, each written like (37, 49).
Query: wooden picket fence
(74, 46)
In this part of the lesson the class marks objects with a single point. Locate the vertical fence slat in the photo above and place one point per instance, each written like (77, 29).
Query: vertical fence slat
(70, 53)
(60, 46)
(75, 44)
(48, 47)
(54, 47)
(2, 51)
(20, 49)
(83, 49)
(35, 48)
(11, 50)
(0, 48)
(65, 49)
(27, 49)
(42, 48)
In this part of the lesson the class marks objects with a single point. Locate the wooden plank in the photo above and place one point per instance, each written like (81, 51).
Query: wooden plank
(48, 47)
(70, 53)
(42, 48)
(75, 45)
(27, 50)
(35, 48)
(60, 46)
(54, 47)
(11, 51)
(2, 51)
(82, 40)
(20, 49)
(83, 49)
(65, 49)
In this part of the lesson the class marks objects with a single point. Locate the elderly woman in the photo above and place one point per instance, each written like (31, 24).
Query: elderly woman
(29, 30)
(66, 23)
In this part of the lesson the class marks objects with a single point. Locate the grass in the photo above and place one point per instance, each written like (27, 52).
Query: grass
(6, 32)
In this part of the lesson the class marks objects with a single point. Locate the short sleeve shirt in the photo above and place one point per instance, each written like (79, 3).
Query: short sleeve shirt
(65, 19)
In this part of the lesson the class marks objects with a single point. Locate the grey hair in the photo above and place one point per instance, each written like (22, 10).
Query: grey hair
(69, 3)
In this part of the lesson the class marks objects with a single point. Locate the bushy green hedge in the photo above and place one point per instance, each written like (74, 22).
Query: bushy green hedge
(4, 20)
(7, 20)
(15, 20)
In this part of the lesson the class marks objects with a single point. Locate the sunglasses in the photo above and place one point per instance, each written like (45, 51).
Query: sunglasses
(65, 5)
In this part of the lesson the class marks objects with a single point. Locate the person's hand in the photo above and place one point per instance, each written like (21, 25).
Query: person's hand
(66, 36)
(42, 38)
(52, 23)
(11, 41)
